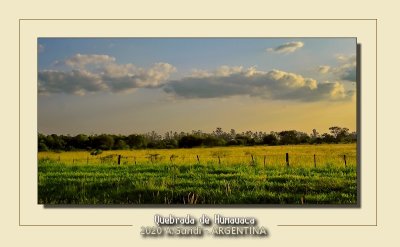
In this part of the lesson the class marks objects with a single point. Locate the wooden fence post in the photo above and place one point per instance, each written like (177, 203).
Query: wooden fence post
(134, 159)
(315, 161)
(219, 160)
(252, 160)
(198, 159)
(287, 159)
(119, 159)
(345, 162)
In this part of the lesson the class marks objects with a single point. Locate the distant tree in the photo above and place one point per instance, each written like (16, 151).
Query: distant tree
(42, 147)
(339, 133)
(55, 142)
(314, 134)
(245, 140)
(218, 132)
(232, 134)
(350, 138)
(168, 135)
(104, 142)
(232, 142)
(302, 137)
(197, 133)
(259, 137)
(196, 138)
(136, 141)
(80, 141)
(288, 137)
(212, 141)
(270, 140)
(120, 144)
(190, 141)
(42, 143)
(171, 143)
(328, 138)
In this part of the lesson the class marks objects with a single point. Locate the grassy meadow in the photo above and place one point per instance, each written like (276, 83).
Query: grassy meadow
(219, 175)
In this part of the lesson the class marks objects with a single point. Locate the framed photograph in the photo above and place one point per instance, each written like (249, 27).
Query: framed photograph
(204, 121)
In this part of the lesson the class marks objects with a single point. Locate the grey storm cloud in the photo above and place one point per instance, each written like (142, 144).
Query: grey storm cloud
(94, 73)
(287, 47)
(274, 84)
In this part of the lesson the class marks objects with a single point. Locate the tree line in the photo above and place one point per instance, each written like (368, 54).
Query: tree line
(153, 140)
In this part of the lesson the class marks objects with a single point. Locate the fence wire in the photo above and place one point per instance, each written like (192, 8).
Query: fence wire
(284, 159)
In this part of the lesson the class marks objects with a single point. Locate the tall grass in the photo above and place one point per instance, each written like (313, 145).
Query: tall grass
(183, 180)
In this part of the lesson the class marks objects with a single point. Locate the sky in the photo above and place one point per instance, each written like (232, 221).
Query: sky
(139, 85)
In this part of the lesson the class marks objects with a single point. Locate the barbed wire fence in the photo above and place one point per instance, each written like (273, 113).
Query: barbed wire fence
(284, 159)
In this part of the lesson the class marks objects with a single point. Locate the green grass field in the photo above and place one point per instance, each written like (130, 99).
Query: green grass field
(228, 175)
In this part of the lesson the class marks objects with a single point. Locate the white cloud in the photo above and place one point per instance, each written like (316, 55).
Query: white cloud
(101, 73)
(338, 91)
(346, 59)
(291, 80)
(346, 70)
(93, 73)
(287, 47)
(128, 76)
(274, 84)
(227, 71)
(323, 69)
(82, 60)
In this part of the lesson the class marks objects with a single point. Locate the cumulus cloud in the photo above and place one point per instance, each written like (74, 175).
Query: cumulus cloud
(72, 82)
(82, 74)
(338, 91)
(94, 73)
(128, 76)
(287, 47)
(346, 70)
(324, 69)
(82, 60)
(348, 67)
(274, 84)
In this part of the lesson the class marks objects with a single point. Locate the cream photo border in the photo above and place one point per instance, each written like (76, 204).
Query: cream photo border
(275, 219)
